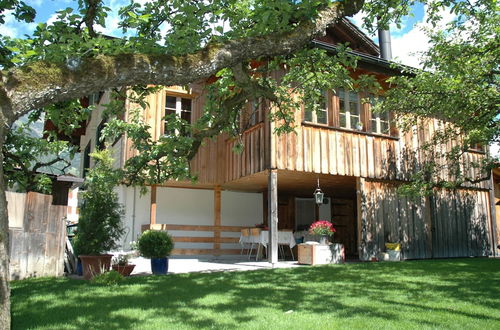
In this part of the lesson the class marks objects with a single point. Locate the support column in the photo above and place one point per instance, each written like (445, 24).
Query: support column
(272, 193)
(493, 219)
(152, 209)
(217, 219)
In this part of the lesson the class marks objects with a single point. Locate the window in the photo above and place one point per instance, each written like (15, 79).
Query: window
(180, 106)
(320, 116)
(86, 160)
(99, 141)
(380, 120)
(349, 109)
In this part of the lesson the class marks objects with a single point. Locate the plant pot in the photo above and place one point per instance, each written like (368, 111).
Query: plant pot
(79, 268)
(323, 240)
(159, 266)
(125, 270)
(95, 265)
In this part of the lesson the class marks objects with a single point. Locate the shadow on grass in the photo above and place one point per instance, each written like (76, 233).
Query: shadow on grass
(392, 292)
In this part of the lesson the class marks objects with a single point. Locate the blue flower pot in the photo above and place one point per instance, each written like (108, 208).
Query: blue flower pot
(79, 268)
(159, 266)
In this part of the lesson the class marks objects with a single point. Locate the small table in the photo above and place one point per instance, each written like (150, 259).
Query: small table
(284, 238)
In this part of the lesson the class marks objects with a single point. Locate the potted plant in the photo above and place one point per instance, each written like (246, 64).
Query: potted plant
(121, 265)
(322, 228)
(157, 246)
(100, 222)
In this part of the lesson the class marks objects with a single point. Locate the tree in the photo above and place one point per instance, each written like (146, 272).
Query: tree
(459, 83)
(176, 43)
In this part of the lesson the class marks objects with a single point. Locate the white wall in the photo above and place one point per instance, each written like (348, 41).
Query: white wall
(240, 209)
(182, 206)
(136, 212)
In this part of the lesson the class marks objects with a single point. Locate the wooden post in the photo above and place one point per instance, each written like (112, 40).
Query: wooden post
(272, 247)
(152, 209)
(217, 219)
(359, 212)
(493, 220)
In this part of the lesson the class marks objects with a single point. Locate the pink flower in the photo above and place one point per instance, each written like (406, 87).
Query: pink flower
(322, 227)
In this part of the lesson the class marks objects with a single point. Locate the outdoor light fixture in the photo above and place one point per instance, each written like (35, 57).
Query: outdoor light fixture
(318, 195)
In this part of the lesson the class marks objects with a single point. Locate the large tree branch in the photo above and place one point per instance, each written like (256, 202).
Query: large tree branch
(43, 83)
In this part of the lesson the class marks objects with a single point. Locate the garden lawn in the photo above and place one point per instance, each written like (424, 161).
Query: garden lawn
(456, 293)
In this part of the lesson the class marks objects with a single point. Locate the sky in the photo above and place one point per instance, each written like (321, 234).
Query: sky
(407, 41)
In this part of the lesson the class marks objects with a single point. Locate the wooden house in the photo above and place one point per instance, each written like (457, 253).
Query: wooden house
(359, 157)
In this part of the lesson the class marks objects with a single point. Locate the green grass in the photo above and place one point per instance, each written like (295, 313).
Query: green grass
(458, 293)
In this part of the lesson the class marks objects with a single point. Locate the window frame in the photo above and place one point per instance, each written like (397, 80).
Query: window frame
(375, 117)
(314, 115)
(178, 109)
(347, 107)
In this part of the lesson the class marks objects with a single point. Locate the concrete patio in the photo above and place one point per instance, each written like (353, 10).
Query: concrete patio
(178, 265)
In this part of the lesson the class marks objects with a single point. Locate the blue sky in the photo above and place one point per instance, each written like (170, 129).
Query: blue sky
(407, 41)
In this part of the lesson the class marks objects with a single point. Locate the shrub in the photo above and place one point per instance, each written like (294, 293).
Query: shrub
(108, 278)
(100, 222)
(155, 244)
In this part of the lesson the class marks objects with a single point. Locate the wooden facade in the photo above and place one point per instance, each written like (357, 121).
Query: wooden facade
(356, 167)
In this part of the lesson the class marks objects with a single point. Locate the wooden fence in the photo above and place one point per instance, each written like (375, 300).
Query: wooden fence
(443, 225)
(216, 239)
(37, 235)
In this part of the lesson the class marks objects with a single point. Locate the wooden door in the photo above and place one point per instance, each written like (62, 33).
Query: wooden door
(344, 221)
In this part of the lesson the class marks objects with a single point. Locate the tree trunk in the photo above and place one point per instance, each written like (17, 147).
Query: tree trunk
(4, 241)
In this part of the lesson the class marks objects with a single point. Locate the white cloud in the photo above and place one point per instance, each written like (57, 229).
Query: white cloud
(11, 28)
(407, 48)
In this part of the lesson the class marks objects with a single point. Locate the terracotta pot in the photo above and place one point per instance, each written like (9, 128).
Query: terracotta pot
(125, 270)
(95, 265)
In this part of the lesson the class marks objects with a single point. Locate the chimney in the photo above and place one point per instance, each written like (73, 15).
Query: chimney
(384, 41)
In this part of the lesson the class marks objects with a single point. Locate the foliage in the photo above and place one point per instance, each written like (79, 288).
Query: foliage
(99, 225)
(322, 227)
(155, 244)
(121, 260)
(110, 278)
(459, 85)
(158, 160)
(392, 295)
(29, 156)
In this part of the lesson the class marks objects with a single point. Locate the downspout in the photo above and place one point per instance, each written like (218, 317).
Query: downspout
(133, 216)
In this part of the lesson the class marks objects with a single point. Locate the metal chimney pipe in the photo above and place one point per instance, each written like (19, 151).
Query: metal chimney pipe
(384, 40)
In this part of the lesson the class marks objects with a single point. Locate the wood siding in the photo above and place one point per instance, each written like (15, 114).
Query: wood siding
(446, 224)
(37, 241)
(335, 151)
(312, 148)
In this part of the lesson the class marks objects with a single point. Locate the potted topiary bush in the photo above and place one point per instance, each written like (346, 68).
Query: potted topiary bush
(100, 221)
(157, 246)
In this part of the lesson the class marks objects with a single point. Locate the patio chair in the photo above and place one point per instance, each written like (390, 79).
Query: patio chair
(255, 233)
(245, 233)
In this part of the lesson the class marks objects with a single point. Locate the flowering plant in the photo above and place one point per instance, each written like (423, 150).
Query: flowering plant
(322, 227)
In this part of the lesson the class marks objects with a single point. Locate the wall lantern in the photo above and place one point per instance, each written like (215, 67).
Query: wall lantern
(318, 195)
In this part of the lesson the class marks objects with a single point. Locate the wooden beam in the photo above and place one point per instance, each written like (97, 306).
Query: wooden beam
(217, 216)
(161, 226)
(152, 209)
(186, 239)
(205, 252)
(273, 216)
(359, 212)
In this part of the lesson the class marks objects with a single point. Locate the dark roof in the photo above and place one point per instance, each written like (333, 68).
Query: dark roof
(367, 61)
